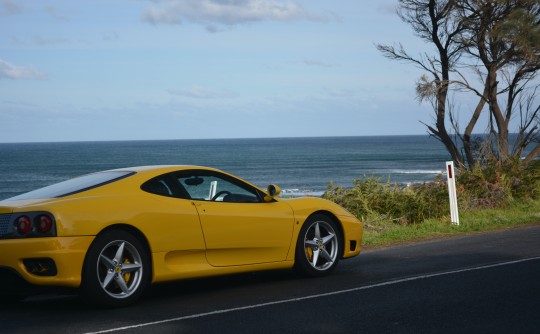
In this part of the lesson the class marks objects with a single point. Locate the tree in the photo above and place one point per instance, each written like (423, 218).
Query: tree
(477, 44)
(432, 21)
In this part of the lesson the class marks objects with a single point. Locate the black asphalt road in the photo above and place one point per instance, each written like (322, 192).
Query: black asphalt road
(484, 283)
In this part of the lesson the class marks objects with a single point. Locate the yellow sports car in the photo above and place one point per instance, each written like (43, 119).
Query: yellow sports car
(110, 234)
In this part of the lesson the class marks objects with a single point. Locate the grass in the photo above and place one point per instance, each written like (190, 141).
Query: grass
(381, 232)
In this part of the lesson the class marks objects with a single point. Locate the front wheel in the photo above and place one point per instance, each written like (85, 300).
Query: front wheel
(319, 246)
(116, 270)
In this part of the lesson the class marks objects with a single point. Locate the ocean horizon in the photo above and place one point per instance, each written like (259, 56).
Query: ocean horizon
(208, 139)
(299, 165)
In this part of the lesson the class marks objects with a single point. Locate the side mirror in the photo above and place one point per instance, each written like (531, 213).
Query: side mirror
(272, 191)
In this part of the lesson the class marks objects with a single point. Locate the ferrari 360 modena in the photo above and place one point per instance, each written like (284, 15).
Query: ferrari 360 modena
(111, 234)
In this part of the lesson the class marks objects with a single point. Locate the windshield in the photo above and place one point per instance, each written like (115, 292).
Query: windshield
(74, 186)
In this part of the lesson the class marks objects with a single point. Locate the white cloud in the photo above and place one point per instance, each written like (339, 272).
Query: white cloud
(203, 93)
(10, 7)
(110, 36)
(46, 41)
(10, 71)
(53, 12)
(342, 93)
(226, 13)
(315, 62)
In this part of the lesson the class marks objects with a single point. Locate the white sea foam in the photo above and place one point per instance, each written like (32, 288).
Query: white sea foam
(301, 193)
(415, 171)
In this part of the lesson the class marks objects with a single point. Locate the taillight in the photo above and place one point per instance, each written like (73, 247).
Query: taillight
(44, 224)
(31, 225)
(24, 225)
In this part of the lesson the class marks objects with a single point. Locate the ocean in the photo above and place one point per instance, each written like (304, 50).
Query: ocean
(300, 166)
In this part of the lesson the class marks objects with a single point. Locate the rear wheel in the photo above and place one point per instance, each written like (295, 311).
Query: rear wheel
(116, 270)
(319, 246)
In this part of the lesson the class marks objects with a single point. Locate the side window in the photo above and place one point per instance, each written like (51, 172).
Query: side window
(206, 186)
(158, 186)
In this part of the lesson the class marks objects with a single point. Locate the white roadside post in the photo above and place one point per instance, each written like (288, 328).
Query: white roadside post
(450, 175)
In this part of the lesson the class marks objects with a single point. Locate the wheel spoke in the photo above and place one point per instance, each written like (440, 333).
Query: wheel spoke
(326, 256)
(119, 279)
(317, 231)
(315, 257)
(311, 243)
(106, 262)
(129, 267)
(328, 238)
(119, 253)
(108, 278)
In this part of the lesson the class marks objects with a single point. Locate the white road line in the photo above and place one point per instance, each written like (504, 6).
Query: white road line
(292, 300)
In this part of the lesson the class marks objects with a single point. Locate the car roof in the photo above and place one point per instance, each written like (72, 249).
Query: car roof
(162, 168)
(141, 174)
(155, 170)
(147, 172)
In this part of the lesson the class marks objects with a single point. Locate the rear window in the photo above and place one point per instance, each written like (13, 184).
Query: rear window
(73, 186)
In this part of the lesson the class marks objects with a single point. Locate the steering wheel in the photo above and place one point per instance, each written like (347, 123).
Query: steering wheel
(223, 192)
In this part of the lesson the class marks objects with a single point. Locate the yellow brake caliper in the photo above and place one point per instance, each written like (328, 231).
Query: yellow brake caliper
(127, 276)
(309, 252)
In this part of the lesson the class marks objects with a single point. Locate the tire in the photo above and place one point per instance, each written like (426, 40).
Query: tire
(319, 246)
(116, 270)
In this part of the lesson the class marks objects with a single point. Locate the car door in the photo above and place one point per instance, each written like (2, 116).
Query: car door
(239, 228)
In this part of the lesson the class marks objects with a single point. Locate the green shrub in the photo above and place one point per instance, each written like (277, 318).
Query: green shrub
(495, 185)
(491, 186)
(371, 199)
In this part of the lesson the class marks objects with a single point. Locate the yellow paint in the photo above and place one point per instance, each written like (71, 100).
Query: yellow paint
(67, 252)
(186, 238)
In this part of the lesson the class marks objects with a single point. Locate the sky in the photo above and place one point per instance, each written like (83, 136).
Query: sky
(192, 69)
